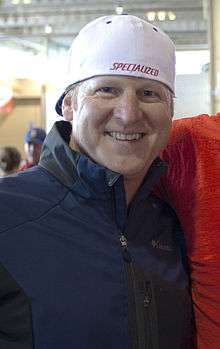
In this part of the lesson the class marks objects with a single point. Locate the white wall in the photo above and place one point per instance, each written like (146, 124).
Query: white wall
(192, 95)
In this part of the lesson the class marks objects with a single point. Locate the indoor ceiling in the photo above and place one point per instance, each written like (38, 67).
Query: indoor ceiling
(29, 23)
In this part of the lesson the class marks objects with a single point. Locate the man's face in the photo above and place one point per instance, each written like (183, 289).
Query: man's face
(120, 122)
(33, 151)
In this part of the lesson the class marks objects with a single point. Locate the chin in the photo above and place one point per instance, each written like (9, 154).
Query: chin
(126, 166)
(130, 171)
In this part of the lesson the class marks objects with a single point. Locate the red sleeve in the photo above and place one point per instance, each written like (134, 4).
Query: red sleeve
(192, 186)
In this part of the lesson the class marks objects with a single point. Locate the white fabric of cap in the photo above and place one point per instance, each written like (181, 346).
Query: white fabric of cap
(121, 45)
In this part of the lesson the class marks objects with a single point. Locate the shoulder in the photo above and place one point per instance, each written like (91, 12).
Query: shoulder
(183, 128)
(27, 195)
(180, 143)
(196, 126)
(187, 134)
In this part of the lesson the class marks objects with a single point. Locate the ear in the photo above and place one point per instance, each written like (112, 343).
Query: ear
(67, 108)
(172, 107)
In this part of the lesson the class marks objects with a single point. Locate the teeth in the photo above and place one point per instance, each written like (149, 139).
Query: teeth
(126, 137)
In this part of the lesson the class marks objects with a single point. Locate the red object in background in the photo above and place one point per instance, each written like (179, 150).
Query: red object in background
(7, 107)
(6, 100)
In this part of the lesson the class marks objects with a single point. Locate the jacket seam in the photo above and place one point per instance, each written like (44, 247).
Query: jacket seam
(35, 218)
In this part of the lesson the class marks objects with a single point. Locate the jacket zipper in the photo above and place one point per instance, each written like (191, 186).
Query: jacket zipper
(139, 319)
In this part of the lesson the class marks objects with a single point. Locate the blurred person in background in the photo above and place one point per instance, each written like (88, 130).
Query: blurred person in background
(33, 141)
(10, 159)
(192, 186)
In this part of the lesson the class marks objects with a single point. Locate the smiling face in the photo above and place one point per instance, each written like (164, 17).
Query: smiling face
(120, 122)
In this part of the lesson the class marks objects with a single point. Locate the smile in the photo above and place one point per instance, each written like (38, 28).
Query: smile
(119, 136)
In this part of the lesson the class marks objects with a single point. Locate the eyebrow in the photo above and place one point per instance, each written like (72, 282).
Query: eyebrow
(117, 82)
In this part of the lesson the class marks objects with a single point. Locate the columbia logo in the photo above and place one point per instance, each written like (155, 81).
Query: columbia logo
(161, 246)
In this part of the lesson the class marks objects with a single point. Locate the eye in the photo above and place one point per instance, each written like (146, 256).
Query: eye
(149, 93)
(106, 91)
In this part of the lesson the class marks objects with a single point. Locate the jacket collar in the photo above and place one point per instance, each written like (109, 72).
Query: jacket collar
(70, 166)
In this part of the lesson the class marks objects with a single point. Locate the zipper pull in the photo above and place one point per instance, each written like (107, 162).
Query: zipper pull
(125, 252)
(123, 241)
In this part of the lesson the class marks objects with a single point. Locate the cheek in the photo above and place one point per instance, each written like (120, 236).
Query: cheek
(161, 117)
(92, 116)
(78, 129)
(84, 126)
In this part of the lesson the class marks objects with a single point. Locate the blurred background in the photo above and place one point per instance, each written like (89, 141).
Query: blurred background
(35, 36)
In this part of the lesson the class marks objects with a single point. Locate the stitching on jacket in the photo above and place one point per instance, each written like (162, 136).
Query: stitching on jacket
(36, 218)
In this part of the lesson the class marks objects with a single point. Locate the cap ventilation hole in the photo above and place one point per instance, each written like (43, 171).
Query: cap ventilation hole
(155, 29)
(108, 22)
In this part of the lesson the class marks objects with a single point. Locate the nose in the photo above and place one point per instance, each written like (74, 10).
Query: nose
(128, 108)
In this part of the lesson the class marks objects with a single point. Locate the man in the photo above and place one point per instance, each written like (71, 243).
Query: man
(33, 141)
(192, 186)
(86, 260)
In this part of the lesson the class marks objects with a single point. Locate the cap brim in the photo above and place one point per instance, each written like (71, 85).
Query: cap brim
(58, 106)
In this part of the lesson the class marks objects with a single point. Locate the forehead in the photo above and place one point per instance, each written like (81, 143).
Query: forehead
(122, 80)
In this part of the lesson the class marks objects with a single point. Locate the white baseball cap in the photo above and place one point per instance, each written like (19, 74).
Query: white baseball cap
(120, 45)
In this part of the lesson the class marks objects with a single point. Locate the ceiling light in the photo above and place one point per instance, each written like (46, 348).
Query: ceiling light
(161, 15)
(27, 2)
(15, 2)
(171, 16)
(119, 10)
(151, 16)
(48, 29)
